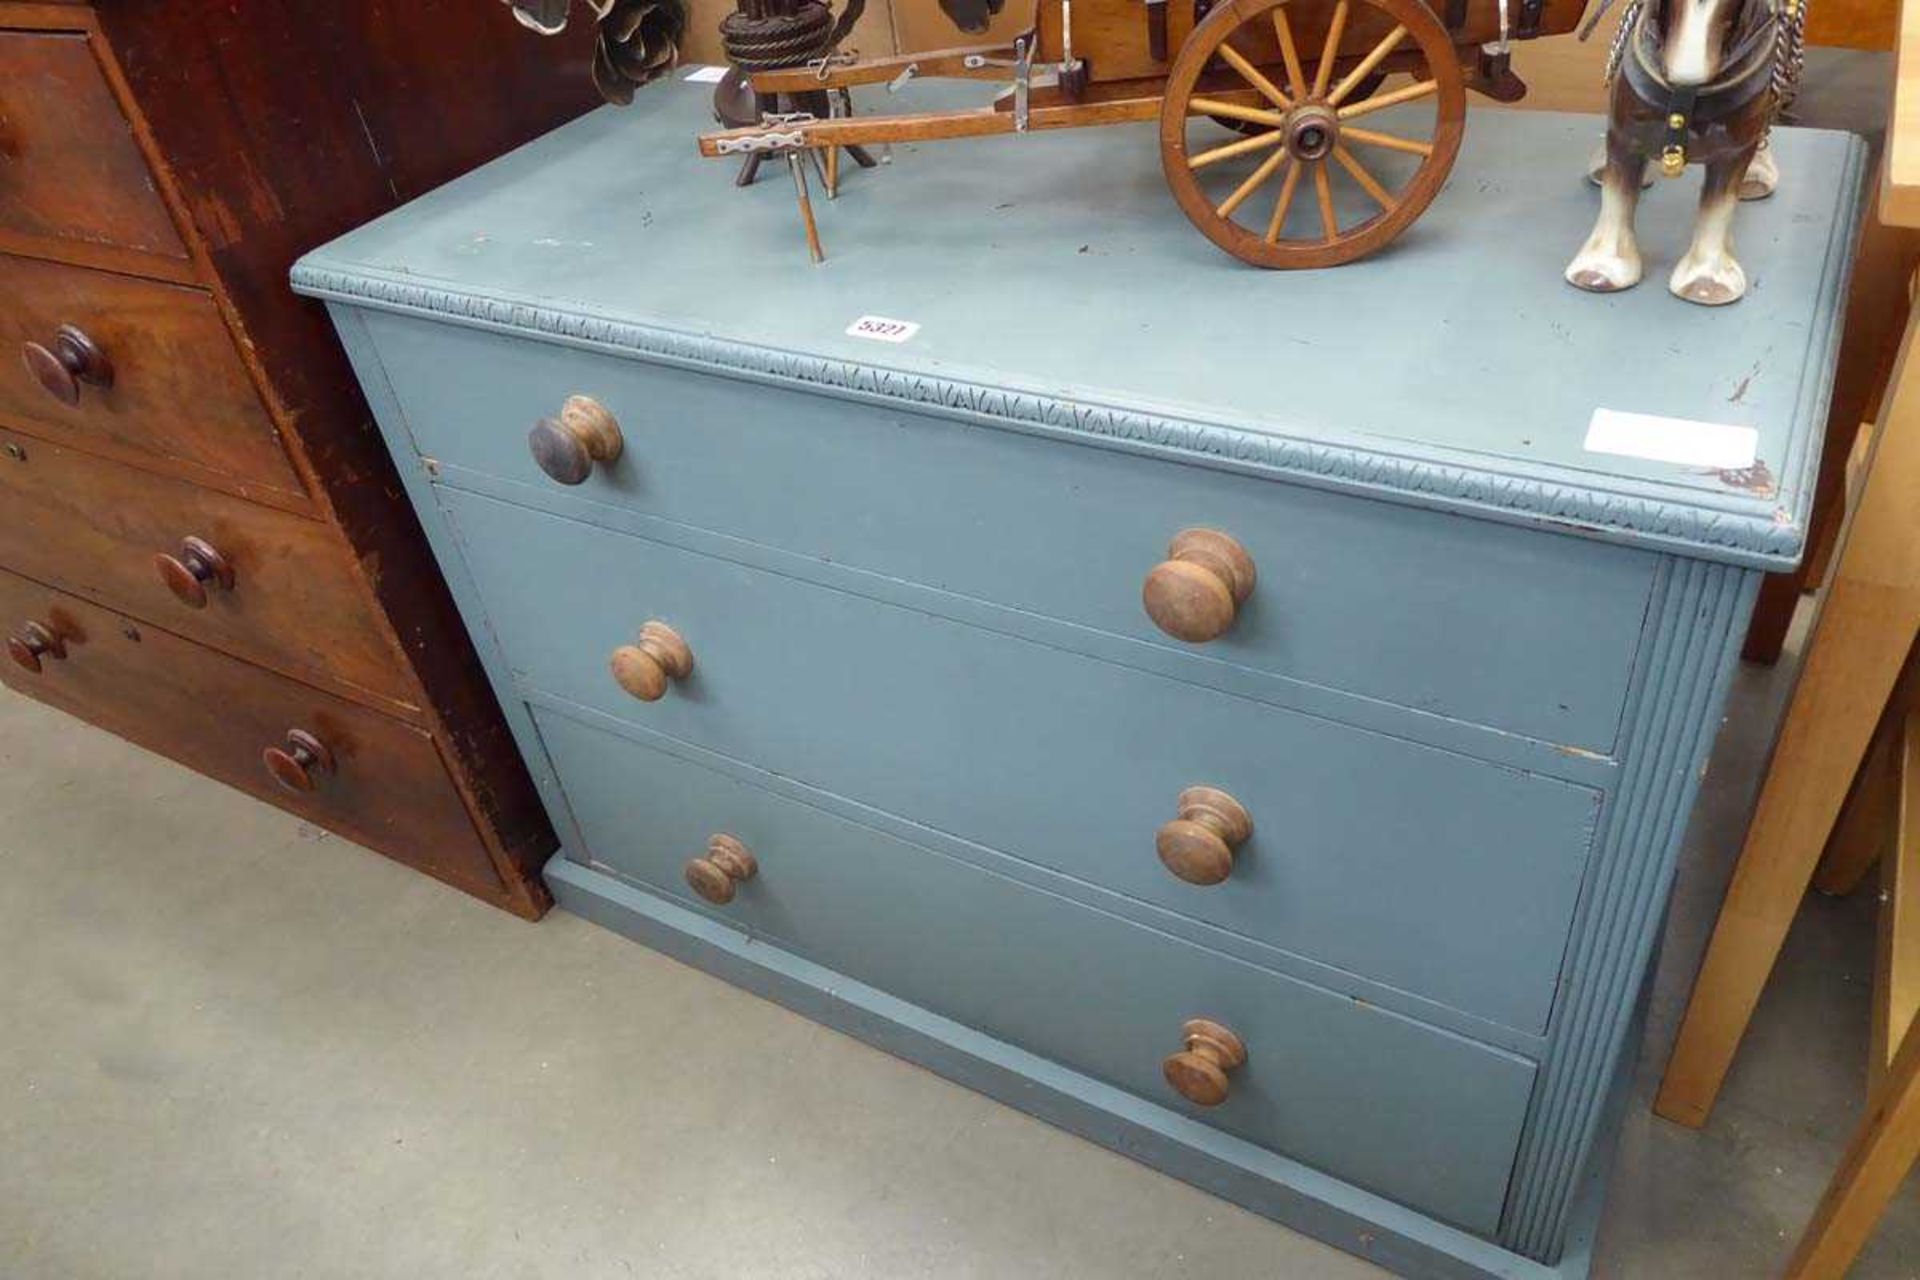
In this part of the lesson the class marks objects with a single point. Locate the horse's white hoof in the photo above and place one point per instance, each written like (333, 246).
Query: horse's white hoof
(1598, 271)
(1711, 282)
(1762, 176)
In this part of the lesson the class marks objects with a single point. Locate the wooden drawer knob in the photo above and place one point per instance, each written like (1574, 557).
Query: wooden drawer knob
(1198, 846)
(197, 569)
(31, 642)
(644, 669)
(566, 447)
(301, 763)
(1198, 1072)
(69, 360)
(717, 873)
(1195, 593)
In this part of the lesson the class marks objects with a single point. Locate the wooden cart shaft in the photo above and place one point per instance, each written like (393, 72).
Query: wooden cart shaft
(1050, 107)
(927, 126)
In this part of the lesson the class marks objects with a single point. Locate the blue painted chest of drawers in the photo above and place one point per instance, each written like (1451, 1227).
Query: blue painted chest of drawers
(902, 717)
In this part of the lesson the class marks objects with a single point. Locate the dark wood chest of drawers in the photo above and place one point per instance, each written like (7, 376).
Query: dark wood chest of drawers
(203, 545)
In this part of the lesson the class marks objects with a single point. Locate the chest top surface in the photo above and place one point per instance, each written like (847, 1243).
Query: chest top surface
(1056, 288)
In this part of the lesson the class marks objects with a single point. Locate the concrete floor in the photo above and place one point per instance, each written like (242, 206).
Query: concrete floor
(234, 1046)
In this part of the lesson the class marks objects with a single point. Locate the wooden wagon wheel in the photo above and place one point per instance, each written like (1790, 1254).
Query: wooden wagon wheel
(1310, 128)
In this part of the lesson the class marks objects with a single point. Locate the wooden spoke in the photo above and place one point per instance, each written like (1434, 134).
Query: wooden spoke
(1274, 90)
(1234, 111)
(1287, 187)
(1229, 150)
(1240, 193)
(1251, 74)
(1283, 30)
(1387, 140)
(1323, 189)
(1380, 101)
(1323, 74)
(1367, 182)
(1367, 64)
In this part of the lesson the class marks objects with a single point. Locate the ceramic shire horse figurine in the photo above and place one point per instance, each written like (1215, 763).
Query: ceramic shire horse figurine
(1694, 81)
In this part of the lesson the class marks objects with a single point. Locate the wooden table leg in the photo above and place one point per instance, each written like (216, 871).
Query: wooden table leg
(1857, 653)
(1883, 1150)
(1887, 1142)
(1877, 308)
(1896, 984)
(1859, 645)
(1863, 833)
(1781, 593)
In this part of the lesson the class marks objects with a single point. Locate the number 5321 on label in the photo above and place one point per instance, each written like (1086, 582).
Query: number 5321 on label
(881, 329)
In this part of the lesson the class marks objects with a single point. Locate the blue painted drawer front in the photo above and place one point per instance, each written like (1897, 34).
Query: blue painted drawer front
(1419, 1115)
(1474, 620)
(1422, 869)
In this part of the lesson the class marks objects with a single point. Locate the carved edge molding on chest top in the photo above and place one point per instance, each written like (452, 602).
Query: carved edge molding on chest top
(1735, 528)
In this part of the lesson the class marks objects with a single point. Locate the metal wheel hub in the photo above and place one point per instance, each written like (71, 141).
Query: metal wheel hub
(1311, 131)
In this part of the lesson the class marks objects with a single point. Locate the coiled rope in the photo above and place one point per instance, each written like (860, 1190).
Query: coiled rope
(768, 35)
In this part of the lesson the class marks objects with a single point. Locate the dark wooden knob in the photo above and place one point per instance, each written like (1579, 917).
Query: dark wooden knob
(31, 642)
(1198, 846)
(197, 569)
(717, 873)
(644, 669)
(69, 360)
(1195, 593)
(301, 763)
(566, 447)
(1198, 1072)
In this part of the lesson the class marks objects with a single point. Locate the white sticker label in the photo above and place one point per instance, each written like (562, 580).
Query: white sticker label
(881, 329)
(1678, 440)
(705, 75)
